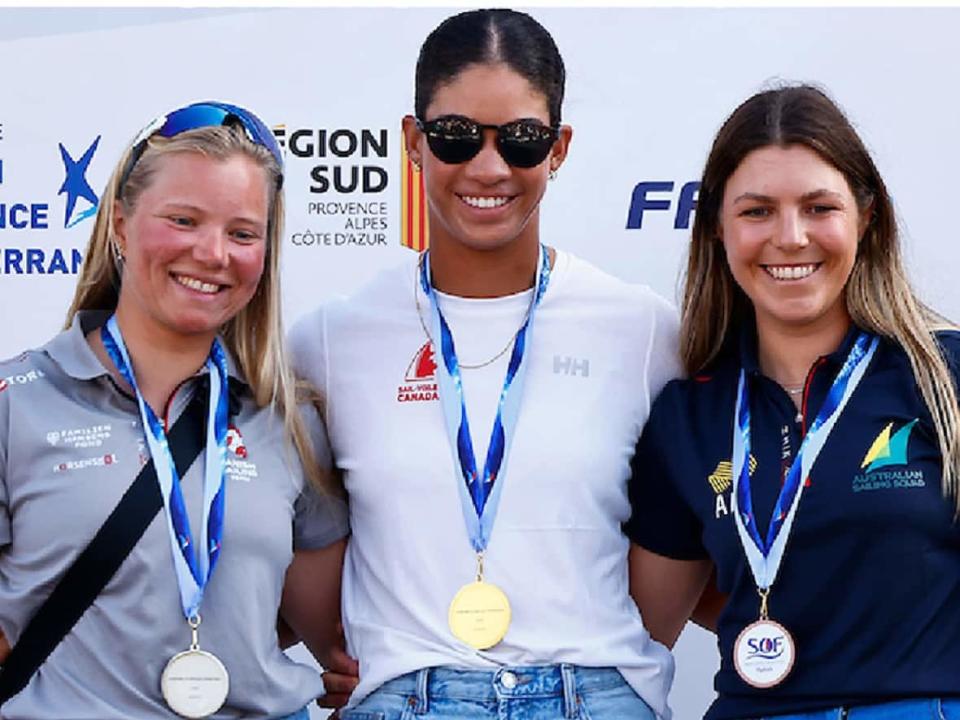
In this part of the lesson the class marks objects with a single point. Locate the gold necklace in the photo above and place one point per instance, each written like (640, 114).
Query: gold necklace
(423, 324)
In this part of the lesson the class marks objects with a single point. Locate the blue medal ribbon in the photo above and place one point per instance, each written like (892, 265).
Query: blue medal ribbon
(480, 495)
(764, 555)
(193, 567)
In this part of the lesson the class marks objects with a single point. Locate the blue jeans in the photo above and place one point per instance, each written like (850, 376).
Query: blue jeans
(923, 709)
(548, 692)
(301, 714)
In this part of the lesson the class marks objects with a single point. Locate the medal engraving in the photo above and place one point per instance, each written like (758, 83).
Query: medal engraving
(194, 684)
(764, 653)
(479, 615)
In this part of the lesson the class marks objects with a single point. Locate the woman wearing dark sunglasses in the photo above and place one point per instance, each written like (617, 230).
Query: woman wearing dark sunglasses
(171, 365)
(483, 402)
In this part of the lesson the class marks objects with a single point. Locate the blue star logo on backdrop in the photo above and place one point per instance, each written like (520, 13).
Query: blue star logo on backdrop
(75, 184)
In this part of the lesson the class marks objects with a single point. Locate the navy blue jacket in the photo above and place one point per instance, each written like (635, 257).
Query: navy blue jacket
(870, 582)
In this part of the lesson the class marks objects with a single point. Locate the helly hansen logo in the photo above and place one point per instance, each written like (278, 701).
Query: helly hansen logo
(566, 365)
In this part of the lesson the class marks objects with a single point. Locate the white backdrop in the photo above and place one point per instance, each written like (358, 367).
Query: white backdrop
(647, 89)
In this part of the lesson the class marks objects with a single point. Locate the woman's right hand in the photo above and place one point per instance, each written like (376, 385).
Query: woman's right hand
(339, 678)
(4, 648)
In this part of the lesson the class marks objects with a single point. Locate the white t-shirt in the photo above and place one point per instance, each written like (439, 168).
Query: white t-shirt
(601, 350)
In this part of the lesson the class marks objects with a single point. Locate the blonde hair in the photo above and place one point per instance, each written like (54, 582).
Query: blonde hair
(878, 295)
(254, 336)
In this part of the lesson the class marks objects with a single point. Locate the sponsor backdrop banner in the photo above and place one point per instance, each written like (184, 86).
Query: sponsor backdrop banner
(647, 89)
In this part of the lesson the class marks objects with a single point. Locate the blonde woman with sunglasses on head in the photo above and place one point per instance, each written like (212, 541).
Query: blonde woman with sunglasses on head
(166, 406)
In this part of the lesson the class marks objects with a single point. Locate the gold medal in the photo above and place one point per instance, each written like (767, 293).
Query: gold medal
(479, 614)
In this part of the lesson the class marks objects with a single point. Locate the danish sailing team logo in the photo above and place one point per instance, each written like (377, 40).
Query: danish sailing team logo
(235, 442)
(420, 381)
(885, 466)
(238, 466)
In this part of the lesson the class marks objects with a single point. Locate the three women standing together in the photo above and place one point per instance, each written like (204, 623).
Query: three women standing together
(487, 574)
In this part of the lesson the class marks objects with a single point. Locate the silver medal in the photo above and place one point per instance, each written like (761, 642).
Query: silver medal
(195, 683)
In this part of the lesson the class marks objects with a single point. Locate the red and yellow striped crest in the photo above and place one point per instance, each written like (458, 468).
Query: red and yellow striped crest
(413, 204)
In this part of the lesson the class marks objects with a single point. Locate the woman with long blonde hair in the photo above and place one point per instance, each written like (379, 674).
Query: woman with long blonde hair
(173, 341)
(812, 456)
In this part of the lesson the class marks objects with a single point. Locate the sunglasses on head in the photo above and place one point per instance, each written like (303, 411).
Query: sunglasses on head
(201, 115)
(454, 139)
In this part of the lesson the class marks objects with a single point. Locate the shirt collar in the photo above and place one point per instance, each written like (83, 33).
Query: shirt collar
(71, 351)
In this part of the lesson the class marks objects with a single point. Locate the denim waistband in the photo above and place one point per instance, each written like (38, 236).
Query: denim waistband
(528, 681)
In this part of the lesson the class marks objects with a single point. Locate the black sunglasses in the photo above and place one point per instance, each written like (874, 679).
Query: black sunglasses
(454, 139)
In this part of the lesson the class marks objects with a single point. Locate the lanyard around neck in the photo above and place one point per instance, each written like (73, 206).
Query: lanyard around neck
(480, 494)
(764, 555)
(193, 566)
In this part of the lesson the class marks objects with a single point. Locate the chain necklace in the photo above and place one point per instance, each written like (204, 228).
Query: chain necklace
(794, 391)
(462, 365)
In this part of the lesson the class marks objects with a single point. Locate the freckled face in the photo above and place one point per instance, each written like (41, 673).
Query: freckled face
(194, 244)
(790, 228)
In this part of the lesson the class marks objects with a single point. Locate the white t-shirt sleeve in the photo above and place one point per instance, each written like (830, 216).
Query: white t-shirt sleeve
(307, 345)
(320, 517)
(663, 351)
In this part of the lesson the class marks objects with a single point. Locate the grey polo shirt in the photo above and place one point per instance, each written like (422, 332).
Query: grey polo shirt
(71, 443)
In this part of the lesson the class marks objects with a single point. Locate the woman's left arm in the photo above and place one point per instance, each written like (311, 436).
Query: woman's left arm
(666, 591)
(310, 604)
(310, 608)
